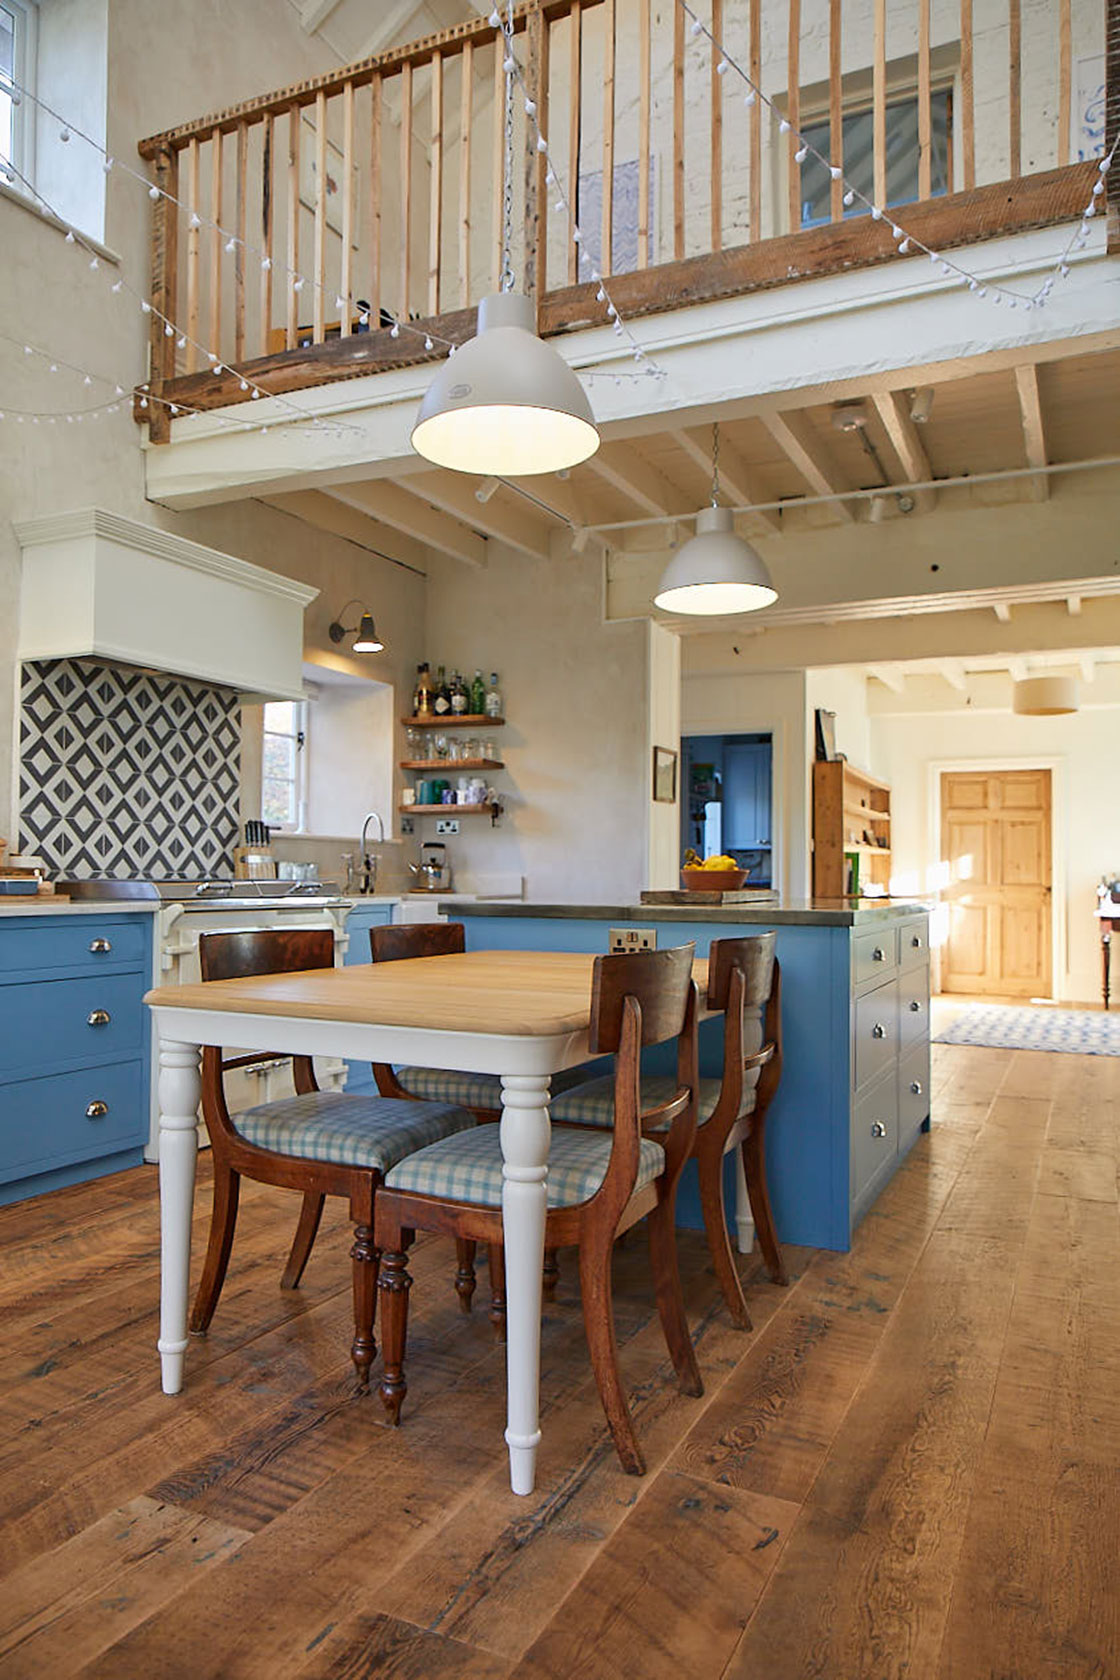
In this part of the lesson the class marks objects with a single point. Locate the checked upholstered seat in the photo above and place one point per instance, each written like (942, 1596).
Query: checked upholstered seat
(352, 1132)
(469, 1090)
(468, 1168)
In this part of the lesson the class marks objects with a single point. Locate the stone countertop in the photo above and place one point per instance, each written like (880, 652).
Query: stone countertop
(820, 912)
(48, 905)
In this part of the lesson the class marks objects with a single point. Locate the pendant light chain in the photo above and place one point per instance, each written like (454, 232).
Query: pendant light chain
(715, 464)
(506, 279)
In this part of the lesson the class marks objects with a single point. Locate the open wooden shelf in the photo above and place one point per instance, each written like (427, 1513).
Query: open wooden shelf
(459, 720)
(452, 764)
(847, 799)
(445, 810)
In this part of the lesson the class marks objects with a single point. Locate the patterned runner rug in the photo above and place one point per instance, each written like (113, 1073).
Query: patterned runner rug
(999, 1027)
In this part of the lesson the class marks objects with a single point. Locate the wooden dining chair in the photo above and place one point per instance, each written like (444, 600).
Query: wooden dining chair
(479, 1092)
(321, 1143)
(744, 982)
(598, 1184)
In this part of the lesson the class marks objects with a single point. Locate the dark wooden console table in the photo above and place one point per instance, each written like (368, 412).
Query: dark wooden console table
(1108, 915)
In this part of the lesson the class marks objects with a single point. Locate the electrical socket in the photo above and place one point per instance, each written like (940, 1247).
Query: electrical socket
(447, 825)
(631, 939)
(407, 825)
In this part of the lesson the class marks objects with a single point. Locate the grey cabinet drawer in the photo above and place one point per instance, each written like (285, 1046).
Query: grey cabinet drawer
(874, 954)
(913, 1005)
(876, 1032)
(913, 1091)
(69, 1117)
(874, 1131)
(913, 944)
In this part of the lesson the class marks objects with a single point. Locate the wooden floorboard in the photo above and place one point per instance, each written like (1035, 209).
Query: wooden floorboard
(908, 1470)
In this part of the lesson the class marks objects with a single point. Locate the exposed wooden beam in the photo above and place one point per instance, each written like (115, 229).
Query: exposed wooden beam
(739, 481)
(397, 507)
(625, 469)
(1088, 666)
(517, 526)
(1034, 437)
(889, 677)
(1002, 610)
(894, 412)
(327, 513)
(1073, 606)
(793, 434)
(955, 675)
(388, 28)
(314, 13)
(1018, 670)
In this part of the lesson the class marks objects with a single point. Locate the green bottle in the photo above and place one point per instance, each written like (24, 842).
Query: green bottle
(478, 695)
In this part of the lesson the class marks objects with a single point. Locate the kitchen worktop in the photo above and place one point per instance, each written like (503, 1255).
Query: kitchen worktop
(48, 905)
(817, 912)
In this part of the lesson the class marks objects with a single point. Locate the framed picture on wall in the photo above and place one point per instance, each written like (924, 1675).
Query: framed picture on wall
(826, 735)
(664, 776)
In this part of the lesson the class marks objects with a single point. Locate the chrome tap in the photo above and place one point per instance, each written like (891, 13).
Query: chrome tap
(368, 862)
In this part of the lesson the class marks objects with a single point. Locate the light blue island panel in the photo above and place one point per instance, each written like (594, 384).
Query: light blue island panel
(359, 1075)
(74, 1048)
(821, 1177)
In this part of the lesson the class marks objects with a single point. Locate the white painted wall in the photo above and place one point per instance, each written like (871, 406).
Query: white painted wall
(906, 749)
(664, 664)
(843, 690)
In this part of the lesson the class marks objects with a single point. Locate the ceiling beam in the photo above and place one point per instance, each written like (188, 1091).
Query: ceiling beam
(327, 513)
(395, 506)
(625, 470)
(518, 526)
(889, 677)
(1088, 666)
(1073, 606)
(735, 476)
(894, 412)
(1002, 610)
(1018, 670)
(793, 434)
(1034, 436)
(955, 675)
(315, 13)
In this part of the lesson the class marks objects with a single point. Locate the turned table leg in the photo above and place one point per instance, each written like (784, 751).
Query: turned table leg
(525, 1137)
(179, 1088)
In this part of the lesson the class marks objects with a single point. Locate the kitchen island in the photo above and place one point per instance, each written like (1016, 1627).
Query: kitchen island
(854, 1092)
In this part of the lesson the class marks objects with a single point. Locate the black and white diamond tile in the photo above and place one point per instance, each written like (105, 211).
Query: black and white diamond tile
(126, 773)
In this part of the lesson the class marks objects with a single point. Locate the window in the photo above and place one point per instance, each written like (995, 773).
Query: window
(859, 157)
(18, 20)
(283, 764)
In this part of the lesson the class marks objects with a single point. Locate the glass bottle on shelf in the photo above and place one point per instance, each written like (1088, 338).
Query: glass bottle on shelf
(460, 699)
(422, 694)
(441, 704)
(478, 695)
(493, 697)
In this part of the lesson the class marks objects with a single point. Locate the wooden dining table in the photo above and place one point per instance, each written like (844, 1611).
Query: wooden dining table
(523, 1015)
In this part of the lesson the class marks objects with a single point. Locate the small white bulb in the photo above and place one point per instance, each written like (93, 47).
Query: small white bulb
(244, 384)
(64, 135)
(722, 67)
(153, 192)
(876, 213)
(108, 164)
(231, 245)
(168, 330)
(697, 26)
(530, 107)
(396, 330)
(266, 264)
(904, 247)
(783, 126)
(835, 171)
(428, 345)
(182, 342)
(297, 283)
(69, 236)
(145, 307)
(600, 296)
(542, 144)
(749, 98)
(849, 197)
(1098, 188)
(196, 219)
(93, 263)
(801, 154)
(1105, 165)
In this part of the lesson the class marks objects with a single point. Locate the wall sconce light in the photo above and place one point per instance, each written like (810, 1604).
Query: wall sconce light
(366, 639)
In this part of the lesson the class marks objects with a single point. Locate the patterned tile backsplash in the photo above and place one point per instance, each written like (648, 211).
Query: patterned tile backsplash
(126, 773)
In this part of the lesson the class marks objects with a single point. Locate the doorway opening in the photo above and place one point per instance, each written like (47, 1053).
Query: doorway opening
(727, 800)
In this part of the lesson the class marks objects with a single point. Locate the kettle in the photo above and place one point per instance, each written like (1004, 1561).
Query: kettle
(433, 872)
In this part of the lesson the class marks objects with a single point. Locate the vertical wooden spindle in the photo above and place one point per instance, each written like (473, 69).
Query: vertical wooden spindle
(836, 108)
(575, 124)
(606, 239)
(165, 264)
(678, 132)
(1065, 81)
(536, 166)
(498, 194)
(644, 95)
(879, 103)
(346, 258)
(405, 286)
(925, 116)
(793, 115)
(242, 226)
(375, 203)
(194, 235)
(716, 142)
(968, 130)
(755, 73)
(295, 123)
(268, 150)
(214, 327)
(466, 113)
(1014, 88)
(435, 184)
(320, 312)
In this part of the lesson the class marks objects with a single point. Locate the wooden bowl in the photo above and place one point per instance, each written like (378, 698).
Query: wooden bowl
(712, 880)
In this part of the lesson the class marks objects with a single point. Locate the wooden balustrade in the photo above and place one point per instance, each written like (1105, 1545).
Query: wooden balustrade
(365, 196)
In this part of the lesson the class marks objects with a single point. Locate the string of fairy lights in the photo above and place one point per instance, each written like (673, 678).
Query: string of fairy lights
(561, 201)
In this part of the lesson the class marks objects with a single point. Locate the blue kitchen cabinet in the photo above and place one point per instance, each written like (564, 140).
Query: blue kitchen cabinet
(359, 1075)
(74, 1048)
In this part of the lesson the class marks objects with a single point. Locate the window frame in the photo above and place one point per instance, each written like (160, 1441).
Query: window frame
(25, 56)
(301, 737)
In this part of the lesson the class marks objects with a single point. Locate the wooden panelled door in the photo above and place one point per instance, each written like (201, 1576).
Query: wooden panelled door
(995, 838)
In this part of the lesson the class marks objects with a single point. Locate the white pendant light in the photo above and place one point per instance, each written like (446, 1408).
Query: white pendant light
(506, 404)
(715, 572)
(1045, 696)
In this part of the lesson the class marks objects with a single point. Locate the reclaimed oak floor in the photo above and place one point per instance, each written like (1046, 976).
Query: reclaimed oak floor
(910, 1468)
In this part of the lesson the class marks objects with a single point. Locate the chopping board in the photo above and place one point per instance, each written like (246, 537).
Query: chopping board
(744, 895)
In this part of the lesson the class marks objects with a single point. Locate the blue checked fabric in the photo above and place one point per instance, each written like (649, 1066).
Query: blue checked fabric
(350, 1131)
(468, 1168)
(471, 1090)
(593, 1104)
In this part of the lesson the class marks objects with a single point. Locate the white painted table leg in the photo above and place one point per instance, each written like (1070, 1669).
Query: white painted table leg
(179, 1087)
(744, 1218)
(525, 1135)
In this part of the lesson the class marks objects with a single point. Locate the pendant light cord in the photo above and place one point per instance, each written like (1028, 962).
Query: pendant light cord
(715, 464)
(506, 280)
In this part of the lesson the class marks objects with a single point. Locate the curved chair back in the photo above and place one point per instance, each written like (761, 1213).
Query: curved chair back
(657, 980)
(395, 942)
(754, 956)
(745, 980)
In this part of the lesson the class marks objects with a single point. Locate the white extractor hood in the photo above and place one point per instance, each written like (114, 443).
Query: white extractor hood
(99, 586)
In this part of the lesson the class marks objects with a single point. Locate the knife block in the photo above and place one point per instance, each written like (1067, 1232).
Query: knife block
(254, 863)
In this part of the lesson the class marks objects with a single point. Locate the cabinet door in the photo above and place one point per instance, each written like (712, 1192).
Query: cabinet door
(746, 796)
(358, 924)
